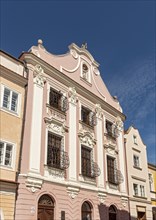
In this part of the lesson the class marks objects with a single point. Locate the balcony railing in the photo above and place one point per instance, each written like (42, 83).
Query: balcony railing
(57, 158)
(91, 170)
(115, 177)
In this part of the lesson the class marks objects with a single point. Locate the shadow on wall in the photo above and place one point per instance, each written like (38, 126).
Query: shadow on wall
(106, 214)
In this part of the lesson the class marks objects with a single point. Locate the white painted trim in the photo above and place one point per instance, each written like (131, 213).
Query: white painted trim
(18, 112)
(14, 156)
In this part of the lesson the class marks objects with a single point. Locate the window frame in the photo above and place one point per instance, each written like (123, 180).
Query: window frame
(84, 172)
(8, 109)
(135, 190)
(136, 161)
(12, 166)
(112, 177)
(54, 166)
(135, 139)
(90, 119)
(142, 190)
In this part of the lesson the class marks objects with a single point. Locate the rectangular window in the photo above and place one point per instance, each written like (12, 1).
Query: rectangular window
(10, 100)
(142, 191)
(135, 189)
(150, 181)
(111, 162)
(6, 151)
(136, 161)
(86, 161)
(88, 117)
(135, 139)
(58, 100)
(54, 150)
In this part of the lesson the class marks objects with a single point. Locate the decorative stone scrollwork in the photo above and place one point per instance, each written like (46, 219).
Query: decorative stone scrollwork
(119, 124)
(87, 138)
(72, 95)
(102, 197)
(56, 126)
(72, 192)
(96, 71)
(74, 54)
(124, 201)
(99, 111)
(33, 184)
(39, 77)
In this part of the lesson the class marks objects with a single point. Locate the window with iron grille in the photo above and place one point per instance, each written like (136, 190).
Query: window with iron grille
(6, 153)
(111, 170)
(136, 161)
(110, 129)
(10, 100)
(58, 100)
(88, 117)
(85, 161)
(54, 150)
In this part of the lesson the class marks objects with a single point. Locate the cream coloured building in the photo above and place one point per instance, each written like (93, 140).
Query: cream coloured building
(152, 186)
(137, 176)
(12, 88)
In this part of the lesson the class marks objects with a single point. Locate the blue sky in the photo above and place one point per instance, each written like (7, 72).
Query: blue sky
(120, 36)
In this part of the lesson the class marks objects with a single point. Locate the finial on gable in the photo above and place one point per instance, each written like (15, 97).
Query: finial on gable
(40, 42)
(84, 45)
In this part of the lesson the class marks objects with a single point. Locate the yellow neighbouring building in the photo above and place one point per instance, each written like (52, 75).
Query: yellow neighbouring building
(13, 81)
(152, 183)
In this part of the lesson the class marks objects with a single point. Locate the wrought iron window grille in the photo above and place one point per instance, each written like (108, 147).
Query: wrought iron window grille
(88, 117)
(89, 168)
(114, 175)
(56, 156)
(58, 100)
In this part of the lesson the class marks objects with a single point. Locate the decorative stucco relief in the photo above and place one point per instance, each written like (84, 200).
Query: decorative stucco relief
(102, 197)
(33, 185)
(72, 192)
(124, 201)
(87, 138)
(73, 98)
(39, 76)
(56, 126)
(119, 124)
(99, 111)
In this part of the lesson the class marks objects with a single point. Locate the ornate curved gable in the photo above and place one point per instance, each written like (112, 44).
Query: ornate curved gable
(79, 65)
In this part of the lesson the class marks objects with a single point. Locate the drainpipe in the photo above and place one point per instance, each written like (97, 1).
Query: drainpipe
(127, 176)
(25, 70)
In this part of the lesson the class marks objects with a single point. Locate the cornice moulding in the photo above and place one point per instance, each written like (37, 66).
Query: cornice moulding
(56, 74)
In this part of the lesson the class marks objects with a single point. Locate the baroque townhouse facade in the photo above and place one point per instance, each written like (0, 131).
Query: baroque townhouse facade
(137, 176)
(152, 184)
(73, 159)
(13, 80)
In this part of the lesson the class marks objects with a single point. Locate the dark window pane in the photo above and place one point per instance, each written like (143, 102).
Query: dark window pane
(86, 161)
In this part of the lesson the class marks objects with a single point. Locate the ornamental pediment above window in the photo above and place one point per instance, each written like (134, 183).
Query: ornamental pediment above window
(87, 138)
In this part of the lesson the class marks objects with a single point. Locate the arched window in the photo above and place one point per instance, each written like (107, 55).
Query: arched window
(86, 211)
(45, 208)
(112, 212)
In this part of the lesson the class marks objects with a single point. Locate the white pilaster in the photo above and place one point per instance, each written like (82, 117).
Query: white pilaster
(99, 133)
(72, 134)
(35, 144)
(122, 163)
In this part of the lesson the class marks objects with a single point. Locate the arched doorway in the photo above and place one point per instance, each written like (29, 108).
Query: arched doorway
(112, 213)
(45, 208)
(86, 211)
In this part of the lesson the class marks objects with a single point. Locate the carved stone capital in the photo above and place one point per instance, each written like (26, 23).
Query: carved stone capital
(124, 201)
(39, 76)
(72, 95)
(99, 111)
